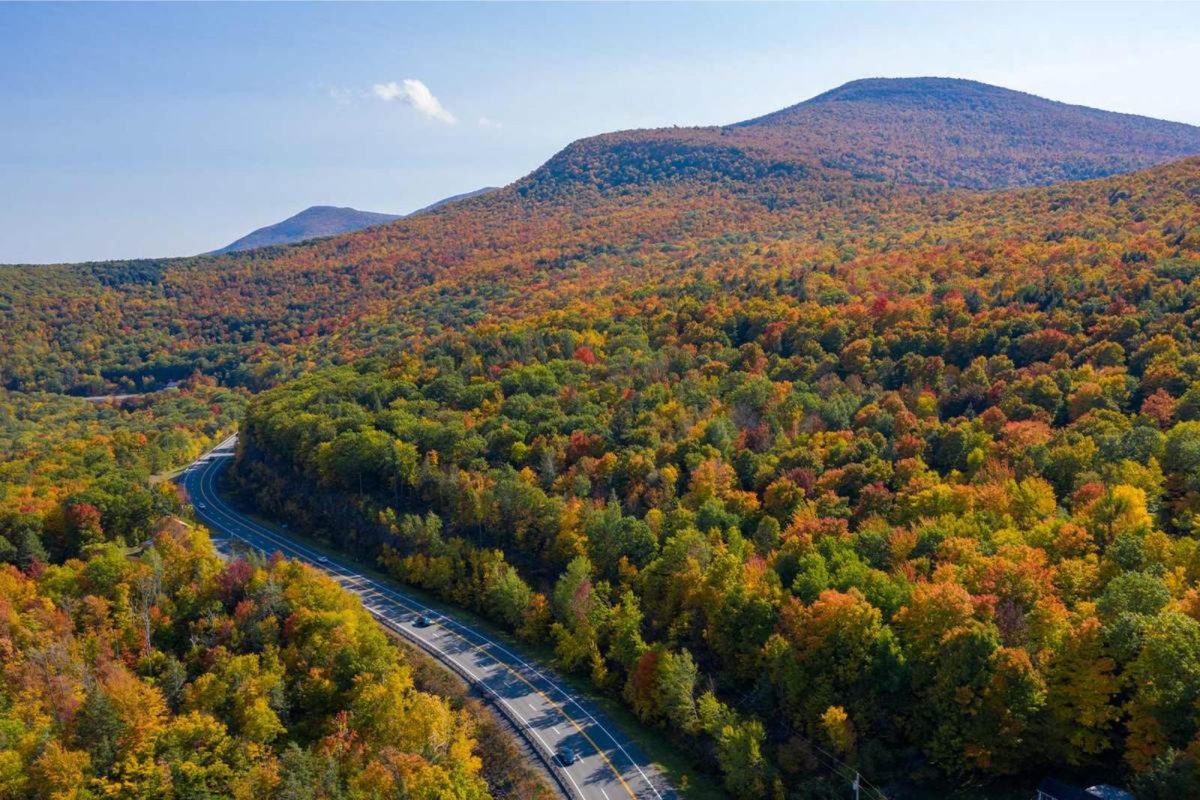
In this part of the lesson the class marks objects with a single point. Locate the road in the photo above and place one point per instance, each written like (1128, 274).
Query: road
(120, 398)
(609, 766)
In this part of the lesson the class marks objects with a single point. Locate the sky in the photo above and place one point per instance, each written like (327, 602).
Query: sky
(145, 130)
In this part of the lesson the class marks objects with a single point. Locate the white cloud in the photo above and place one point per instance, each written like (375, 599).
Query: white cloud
(484, 122)
(416, 94)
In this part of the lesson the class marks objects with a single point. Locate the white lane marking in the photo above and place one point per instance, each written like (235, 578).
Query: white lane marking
(334, 569)
(455, 661)
(604, 793)
(289, 547)
(557, 732)
(531, 707)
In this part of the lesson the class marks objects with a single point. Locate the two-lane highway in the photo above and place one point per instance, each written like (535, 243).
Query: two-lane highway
(607, 765)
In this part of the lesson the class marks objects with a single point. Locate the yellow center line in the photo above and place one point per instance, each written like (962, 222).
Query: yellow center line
(561, 710)
(482, 648)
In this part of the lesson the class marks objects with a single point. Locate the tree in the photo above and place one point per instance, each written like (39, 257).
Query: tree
(839, 730)
(625, 632)
(367, 460)
(739, 753)
(675, 689)
(507, 595)
(573, 597)
(29, 550)
(59, 773)
(1181, 457)
(832, 653)
(611, 535)
(1081, 686)
(1165, 678)
(99, 729)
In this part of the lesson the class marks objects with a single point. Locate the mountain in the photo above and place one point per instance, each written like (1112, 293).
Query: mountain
(310, 223)
(963, 133)
(319, 221)
(635, 206)
(926, 131)
(455, 198)
(791, 404)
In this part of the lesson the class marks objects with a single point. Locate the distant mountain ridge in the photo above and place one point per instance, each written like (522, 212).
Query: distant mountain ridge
(933, 132)
(943, 132)
(318, 221)
(312, 222)
(455, 198)
(612, 202)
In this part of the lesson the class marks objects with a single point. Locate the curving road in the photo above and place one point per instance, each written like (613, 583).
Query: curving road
(609, 766)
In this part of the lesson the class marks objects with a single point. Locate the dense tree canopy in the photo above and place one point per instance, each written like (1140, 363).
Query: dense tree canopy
(811, 458)
(174, 674)
(917, 508)
(76, 473)
(165, 672)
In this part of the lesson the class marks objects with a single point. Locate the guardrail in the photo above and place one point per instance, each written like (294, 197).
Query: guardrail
(492, 697)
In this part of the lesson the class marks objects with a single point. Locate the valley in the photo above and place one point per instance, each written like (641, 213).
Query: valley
(854, 443)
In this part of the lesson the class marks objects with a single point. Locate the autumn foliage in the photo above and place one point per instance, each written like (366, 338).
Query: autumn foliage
(922, 499)
(174, 674)
(816, 440)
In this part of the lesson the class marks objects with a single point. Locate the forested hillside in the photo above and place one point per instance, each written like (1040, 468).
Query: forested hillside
(74, 473)
(932, 132)
(924, 498)
(136, 664)
(173, 674)
(944, 131)
(827, 177)
(835, 437)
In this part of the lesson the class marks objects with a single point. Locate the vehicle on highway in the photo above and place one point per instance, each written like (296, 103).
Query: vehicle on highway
(481, 658)
(200, 506)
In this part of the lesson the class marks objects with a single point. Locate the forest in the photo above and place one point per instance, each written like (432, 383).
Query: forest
(833, 440)
(927, 507)
(77, 473)
(136, 663)
(171, 673)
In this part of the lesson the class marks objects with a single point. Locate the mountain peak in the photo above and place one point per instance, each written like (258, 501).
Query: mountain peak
(951, 96)
(926, 131)
(311, 210)
(926, 91)
(311, 223)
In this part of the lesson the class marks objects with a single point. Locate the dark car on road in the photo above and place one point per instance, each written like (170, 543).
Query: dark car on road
(566, 756)
(423, 621)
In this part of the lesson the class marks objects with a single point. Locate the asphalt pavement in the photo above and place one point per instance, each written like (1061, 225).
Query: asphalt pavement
(608, 765)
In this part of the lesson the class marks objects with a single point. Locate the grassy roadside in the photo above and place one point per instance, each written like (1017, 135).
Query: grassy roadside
(167, 475)
(511, 768)
(689, 782)
(173, 473)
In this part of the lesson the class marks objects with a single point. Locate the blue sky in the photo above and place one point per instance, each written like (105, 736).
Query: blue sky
(153, 130)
